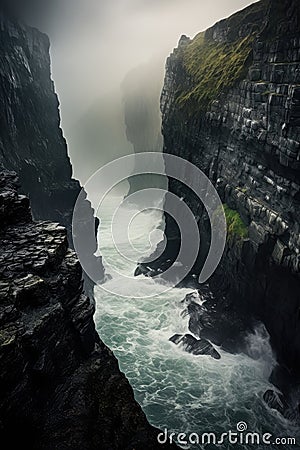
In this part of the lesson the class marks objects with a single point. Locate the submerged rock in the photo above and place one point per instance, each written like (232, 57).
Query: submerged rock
(277, 401)
(195, 346)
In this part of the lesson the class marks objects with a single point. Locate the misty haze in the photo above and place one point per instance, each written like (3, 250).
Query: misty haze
(96, 47)
(149, 224)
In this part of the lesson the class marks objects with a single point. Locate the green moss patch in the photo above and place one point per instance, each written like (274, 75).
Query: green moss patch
(214, 67)
(235, 225)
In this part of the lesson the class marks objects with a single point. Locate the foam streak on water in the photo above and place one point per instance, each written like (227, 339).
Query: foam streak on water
(179, 391)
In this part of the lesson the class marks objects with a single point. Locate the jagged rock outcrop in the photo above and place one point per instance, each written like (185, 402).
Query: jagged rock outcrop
(217, 320)
(195, 346)
(31, 140)
(60, 386)
(230, 105)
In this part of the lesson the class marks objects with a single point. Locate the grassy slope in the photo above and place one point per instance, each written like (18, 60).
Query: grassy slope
(214, 67)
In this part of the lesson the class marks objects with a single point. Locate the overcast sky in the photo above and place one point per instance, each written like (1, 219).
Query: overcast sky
(95, 43)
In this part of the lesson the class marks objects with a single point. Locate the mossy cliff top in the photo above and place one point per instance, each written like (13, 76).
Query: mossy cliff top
(217, 58)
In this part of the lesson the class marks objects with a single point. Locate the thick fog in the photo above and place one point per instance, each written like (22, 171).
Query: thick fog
(95, 46)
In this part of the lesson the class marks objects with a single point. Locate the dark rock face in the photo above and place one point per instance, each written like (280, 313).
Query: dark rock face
(246, 140)
(60, 386)
(31, 140)
(217, 320)
(195, 346)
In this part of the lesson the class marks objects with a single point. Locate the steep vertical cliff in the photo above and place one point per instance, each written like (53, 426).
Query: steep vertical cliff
(230, 105)
(60, 386)
(31, 140)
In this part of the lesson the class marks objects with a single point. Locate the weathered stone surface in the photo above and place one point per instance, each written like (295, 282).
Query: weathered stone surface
(247, 142)
(31, 140)
(195, 346)
(218, 320)
(60, 386)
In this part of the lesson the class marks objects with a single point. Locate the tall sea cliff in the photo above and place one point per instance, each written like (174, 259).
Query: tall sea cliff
(60, 386)
(231, 106)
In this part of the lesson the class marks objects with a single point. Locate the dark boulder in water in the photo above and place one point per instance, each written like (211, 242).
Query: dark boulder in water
(204, 347)
(195, 346)
(217, 321)
(278, 401)
(176, 339)
(275, 400)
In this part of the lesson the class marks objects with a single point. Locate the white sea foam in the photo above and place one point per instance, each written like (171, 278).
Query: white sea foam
(179, 391)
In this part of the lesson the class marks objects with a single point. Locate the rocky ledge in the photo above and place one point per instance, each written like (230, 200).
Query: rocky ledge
(60, 386)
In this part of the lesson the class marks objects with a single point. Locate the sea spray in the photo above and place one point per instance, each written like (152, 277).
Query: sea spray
(178, 391)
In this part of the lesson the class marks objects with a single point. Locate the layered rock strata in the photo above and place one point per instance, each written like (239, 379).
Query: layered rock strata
(231, 106)
(31, 139)
(60, 386)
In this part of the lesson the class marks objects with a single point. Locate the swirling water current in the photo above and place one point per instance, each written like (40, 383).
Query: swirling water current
(178, 391)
